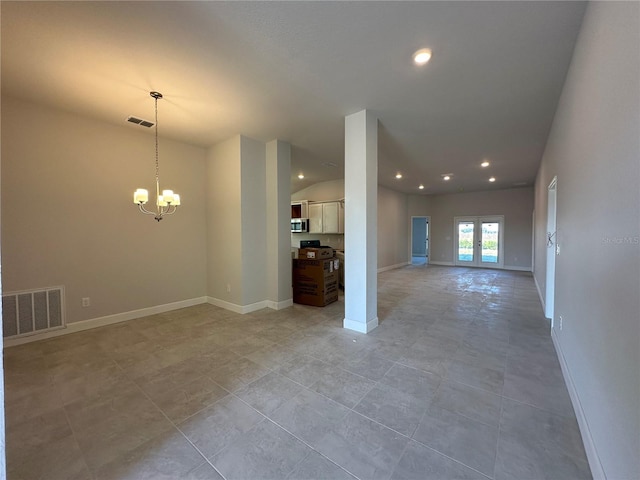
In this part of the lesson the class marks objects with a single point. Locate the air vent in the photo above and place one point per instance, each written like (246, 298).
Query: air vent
(32, 311)
(140, 121)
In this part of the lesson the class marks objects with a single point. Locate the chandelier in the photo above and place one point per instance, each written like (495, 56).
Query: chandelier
(168, 202)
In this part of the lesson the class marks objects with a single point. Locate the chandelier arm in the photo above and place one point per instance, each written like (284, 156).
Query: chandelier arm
(170, 212)
(145, 211)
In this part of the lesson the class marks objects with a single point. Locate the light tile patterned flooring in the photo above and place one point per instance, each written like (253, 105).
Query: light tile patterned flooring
(459, 381)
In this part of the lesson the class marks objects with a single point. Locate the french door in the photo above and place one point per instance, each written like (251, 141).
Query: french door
(479, 241)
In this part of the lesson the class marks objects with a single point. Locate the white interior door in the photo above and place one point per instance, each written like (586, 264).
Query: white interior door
(479, 241)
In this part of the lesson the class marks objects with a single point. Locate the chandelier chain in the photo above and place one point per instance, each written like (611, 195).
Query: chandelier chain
(157, 162)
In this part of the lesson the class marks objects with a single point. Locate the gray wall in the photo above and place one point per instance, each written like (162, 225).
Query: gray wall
(515, 204)
(68, 212)
(594, 150)
(393, 228)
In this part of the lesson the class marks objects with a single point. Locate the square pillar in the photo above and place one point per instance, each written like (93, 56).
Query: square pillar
(361, 221)
(278, 206)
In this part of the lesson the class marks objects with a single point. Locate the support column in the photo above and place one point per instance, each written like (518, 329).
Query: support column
(361, 221)
(279, 292)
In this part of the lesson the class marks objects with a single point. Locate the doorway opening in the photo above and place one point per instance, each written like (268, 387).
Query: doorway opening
(479, 241)
(419, 240)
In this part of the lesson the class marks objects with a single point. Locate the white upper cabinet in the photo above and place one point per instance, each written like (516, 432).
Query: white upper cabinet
(315, 217)
(326, 217)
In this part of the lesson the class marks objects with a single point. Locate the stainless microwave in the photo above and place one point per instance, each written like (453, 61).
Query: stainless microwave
(299, 225)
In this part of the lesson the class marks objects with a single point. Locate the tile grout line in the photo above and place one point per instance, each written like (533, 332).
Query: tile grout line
(148, 397)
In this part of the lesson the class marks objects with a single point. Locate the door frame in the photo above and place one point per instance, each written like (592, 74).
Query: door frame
(551, 241)
(428, 221)
(478, 220)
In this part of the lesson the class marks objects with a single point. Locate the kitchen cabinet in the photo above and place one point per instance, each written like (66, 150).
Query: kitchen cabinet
(299, 209)
(326, 217)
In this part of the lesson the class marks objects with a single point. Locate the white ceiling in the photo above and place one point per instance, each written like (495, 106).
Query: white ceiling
(293, 70)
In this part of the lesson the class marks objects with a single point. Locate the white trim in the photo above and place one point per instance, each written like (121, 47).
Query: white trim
(551, 251)
(252, 307)
(535, 280)
(444, 264)
(589, 446)
(104, 321)
(517, 269)
(393, 267)
(360, 326)
(279, 305)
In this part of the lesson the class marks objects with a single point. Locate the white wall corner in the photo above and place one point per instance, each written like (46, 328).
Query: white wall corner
(280, 305)
(587, 439)
(242, 309)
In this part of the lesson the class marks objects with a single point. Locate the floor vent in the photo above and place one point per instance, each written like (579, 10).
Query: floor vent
(32, 311)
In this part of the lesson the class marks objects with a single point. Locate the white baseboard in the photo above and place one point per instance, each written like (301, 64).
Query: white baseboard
(535, 280)
(443, 264)
(517, 269)
(393, 267)
(104, 321)
(252, 307)
(589, 446)
(360, 326)
(279, 305)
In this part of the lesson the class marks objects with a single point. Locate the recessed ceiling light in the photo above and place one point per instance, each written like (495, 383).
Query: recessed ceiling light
(492, 179)
(300, 176)
(484, 164)
(422, 56)
(421, 187)
(446, 178)
(398, 175)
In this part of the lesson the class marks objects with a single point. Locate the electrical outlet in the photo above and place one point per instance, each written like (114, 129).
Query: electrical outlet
(228, 288)
(86, 302)
(560, 318)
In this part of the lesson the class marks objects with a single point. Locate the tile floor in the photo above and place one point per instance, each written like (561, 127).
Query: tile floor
(459, 381)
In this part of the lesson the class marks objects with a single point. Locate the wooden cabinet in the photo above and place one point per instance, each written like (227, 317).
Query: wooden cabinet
(326, 217)
(299, 209)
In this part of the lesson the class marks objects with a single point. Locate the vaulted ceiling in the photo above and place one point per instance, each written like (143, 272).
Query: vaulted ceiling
(293, 70)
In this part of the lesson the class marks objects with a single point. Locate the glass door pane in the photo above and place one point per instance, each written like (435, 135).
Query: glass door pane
(479, 241)
(490, 241)
(466, 241)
